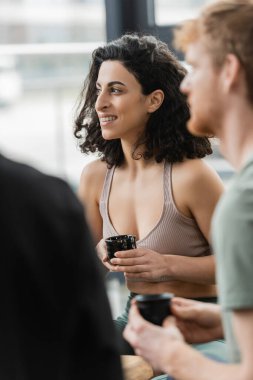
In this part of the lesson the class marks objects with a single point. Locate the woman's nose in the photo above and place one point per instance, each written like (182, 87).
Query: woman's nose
(102, 101)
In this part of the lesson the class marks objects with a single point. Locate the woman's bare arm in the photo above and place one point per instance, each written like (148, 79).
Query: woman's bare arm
(89, 192)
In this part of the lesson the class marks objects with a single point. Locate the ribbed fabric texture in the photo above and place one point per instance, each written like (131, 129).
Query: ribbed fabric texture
(174, 233)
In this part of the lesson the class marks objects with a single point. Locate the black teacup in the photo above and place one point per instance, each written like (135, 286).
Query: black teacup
(154, 307)
(119, 243)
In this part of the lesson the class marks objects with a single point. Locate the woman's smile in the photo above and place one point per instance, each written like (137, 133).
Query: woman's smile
(106, 120)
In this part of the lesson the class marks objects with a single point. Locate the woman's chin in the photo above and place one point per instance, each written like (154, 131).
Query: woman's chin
(108, 136)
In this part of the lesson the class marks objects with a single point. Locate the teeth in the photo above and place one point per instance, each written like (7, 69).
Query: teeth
(109, 118)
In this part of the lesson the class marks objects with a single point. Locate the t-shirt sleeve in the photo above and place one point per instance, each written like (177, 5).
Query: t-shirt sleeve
(233, 245)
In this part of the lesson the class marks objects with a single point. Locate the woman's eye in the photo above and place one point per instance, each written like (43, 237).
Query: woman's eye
(98, 90)
(115, 90)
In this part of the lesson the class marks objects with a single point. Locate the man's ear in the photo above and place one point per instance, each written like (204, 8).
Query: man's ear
(155, 100)
(231, 72)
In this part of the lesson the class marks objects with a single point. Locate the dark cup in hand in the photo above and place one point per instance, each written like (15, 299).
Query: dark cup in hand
(119, 243)
(154, 307)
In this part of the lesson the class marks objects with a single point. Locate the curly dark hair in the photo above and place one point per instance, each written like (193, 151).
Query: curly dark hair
(155, 67)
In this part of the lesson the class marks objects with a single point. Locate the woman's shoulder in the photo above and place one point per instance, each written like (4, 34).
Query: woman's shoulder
(197, 187)
(197, 172)
(94, 170)
(92, 178)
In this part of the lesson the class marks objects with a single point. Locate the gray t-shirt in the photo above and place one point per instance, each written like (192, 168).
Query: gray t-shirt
(232, 233)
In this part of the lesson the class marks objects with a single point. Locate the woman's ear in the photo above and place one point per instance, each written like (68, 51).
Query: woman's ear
(155, 100)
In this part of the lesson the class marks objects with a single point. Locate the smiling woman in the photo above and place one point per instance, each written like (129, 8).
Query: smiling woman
(122, 109)
(150, 180)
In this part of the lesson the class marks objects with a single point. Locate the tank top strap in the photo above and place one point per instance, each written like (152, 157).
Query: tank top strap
(167, 182)
(107, 184)
(108, 229)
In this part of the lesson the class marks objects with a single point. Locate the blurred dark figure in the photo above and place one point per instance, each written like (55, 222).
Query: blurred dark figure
(55, 319)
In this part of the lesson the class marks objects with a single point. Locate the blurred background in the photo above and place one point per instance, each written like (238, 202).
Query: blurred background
(45, 49)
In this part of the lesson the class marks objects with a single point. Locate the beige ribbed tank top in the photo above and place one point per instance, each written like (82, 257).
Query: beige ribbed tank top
(174, 233)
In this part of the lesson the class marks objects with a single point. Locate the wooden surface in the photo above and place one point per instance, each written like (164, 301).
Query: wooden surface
(136, 368)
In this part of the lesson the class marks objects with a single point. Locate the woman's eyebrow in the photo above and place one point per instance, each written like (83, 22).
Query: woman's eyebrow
(110, 84)
(115, 82)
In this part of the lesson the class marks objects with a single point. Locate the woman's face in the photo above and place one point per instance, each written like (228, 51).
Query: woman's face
(122, 109)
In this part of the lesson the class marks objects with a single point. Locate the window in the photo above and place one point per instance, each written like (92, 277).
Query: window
(45, 48)
(170, 12)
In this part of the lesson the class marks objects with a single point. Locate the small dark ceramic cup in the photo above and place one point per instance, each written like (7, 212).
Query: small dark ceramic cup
(119, 243)
(154, 307)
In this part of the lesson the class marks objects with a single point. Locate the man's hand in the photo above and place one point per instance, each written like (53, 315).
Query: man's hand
(154, 343)
(199, 322)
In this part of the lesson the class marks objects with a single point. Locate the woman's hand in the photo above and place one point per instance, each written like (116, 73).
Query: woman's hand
(102, 254)
(142, 264)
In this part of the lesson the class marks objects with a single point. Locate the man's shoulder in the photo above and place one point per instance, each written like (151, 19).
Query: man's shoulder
(30, 183)
(235, 209)
(245, 176)
(240, 190)
(18, 171)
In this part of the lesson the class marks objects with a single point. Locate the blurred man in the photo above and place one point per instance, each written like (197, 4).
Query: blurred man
(55, 320)
(219, 88)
